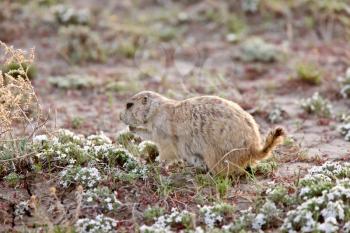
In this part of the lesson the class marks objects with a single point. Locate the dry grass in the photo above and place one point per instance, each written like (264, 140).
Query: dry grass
(20, 111)
(17, 96)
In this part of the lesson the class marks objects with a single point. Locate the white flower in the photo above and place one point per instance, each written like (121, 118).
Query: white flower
(334, 210)
(163, 223)
(103, 197)
(345, 130)
(346, 228)
(87, 176)
(322, 213)
(213, 214)
(99, 224)
(304, 191)
(72, 161)
(21, 209)
(329, 226)
(154, 229)
(55, 140)
(99, 139)
(40, 139)
(259, 221)
(231, 37)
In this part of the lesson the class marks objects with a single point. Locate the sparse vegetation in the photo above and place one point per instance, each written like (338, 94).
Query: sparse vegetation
(77, 122)
(250, 5)
(16, 92)
(10, 14)
(152, 213)
(22, 70)
(215, 214)
(99, 224)
(256, 49)
(122, 86)
(13, 179)
(265, 167)
(73, 81)
(167, 33)
(66, 15)
(66, 165)
(317, 105)
(235, 25)
(310, 73)
(79, 44)
(127, 47)
(149, 149)
(327, 207)
(276, 115)
(176, 219)
(345, 131)
(222, 186)
(345, 84)
(88, 177)
(101, 198)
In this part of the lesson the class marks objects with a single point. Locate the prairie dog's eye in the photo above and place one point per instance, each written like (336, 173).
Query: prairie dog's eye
(129, 105)
(144, 100)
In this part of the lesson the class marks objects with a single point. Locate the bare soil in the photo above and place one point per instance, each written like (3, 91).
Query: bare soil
(257, 87)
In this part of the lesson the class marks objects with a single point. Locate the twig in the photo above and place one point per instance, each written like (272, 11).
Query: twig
(18, 157)
(225, 155)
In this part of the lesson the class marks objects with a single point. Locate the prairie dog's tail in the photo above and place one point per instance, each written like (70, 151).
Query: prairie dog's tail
(274, 138)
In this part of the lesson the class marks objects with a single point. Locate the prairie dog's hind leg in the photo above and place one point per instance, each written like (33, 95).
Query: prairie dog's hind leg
(167, 152)
(191, 156)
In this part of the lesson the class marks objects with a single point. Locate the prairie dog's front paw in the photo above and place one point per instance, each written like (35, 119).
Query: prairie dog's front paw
(141, 132)
(197, 161)
(167, 157)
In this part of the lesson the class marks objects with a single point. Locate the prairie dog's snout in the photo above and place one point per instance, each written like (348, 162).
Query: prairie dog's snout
(201, 130)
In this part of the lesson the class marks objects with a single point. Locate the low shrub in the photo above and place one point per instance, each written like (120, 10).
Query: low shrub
(100, 223)
(309, 73)
(66, 15)
(79, 44)
(256, 49)
(317, 105)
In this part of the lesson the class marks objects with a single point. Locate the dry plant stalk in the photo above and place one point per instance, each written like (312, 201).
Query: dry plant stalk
(17, 96)
(40, 214)
(57, 207)
(79, 198)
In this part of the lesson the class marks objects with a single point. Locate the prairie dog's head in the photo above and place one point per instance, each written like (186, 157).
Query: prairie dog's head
(140, 108)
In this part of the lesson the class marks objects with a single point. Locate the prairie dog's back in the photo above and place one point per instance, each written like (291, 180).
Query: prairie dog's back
(217, 121)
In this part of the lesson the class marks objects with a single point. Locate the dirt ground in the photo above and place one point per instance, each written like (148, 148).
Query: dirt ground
(197, 60)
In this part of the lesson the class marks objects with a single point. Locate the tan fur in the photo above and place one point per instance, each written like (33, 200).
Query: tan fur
(203, 131)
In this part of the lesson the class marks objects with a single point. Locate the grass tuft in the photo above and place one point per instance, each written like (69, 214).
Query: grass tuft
(309, 73)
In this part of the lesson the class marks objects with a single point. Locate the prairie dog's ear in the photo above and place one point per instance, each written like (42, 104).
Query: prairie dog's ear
(144, 100)
(151, 107)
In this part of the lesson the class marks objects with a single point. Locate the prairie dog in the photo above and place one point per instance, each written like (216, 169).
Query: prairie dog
(205, 131)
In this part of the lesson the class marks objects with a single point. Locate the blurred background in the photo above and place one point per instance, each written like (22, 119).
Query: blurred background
(90, 55)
